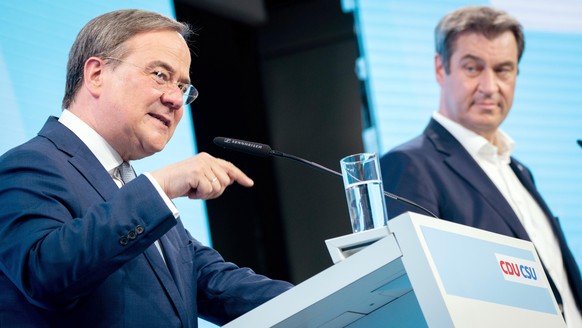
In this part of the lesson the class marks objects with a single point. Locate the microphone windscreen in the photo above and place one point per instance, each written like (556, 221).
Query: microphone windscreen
(252, 148)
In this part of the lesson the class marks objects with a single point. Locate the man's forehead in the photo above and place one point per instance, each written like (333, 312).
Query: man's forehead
(478, 39)
(166, 46)
(473, 44)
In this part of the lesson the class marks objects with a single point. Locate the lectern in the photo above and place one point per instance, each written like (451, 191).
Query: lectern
(418, 272)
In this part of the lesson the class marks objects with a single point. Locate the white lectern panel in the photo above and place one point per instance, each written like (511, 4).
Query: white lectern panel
(340, 295)
(425, 273)
(483, 279)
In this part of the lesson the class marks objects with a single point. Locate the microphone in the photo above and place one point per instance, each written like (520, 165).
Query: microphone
(262, 150)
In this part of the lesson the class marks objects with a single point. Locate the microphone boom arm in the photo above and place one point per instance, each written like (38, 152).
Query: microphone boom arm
(276, 153)
(262, 150)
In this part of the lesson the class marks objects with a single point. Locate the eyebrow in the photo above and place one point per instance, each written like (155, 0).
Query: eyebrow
(167, 67)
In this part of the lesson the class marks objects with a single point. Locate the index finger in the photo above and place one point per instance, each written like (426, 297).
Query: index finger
(236, 174)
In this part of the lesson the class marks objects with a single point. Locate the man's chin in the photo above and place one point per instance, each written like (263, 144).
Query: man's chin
(149, 150)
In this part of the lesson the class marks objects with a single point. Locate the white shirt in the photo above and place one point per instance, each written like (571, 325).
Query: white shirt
(107, 156)
(494, 160)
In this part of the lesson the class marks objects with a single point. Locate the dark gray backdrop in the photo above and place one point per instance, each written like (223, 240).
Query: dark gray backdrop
(281, 73)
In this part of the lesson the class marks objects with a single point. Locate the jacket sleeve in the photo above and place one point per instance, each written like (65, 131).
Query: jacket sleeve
(59, 237)
(226, 291)
(408, 177)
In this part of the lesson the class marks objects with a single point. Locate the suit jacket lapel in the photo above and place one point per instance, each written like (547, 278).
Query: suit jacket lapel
(80, 156)
(162, 268)
(462, 164)
(527, 181)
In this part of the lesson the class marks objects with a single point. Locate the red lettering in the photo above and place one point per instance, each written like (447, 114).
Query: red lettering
(503, 267)
(509, 268)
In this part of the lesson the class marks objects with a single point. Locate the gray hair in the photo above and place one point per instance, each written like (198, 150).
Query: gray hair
(483, 20)
(105, 36)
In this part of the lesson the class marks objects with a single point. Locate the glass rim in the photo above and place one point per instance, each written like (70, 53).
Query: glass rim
(362, 157)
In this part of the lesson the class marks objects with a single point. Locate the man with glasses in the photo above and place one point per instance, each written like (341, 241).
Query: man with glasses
(86, 243)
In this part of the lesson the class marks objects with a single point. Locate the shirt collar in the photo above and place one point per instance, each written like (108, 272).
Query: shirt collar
(106, 155)
(476, 145)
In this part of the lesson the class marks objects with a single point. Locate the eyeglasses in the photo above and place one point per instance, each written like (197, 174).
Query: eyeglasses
(163, 79)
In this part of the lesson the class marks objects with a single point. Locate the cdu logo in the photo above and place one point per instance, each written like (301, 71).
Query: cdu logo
(520, 270)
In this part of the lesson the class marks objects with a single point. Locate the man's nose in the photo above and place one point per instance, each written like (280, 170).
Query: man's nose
(488, 83)
(173, 97)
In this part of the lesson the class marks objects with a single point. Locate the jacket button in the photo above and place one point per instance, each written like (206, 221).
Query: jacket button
(123, 240)
(131, 234)
(139, 229)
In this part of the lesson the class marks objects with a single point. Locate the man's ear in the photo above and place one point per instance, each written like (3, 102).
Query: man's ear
(93, 75)
(439, 69)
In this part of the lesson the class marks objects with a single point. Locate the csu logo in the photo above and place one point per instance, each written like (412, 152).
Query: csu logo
(520, 270)
(511, 268)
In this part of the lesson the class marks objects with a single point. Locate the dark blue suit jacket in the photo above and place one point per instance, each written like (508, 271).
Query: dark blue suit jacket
(436, 172)
(77, 251)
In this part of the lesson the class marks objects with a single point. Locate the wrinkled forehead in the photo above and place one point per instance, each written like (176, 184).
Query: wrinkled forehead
(500, 43)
